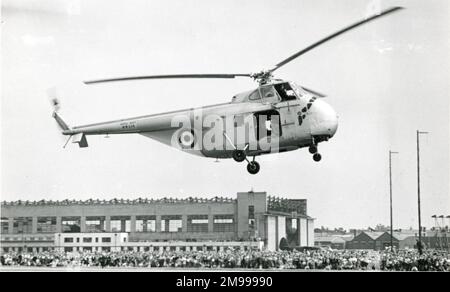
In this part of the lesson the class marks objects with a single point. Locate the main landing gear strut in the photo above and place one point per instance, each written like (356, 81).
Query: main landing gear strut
(241, 155)
(315, 152)
(252, 166)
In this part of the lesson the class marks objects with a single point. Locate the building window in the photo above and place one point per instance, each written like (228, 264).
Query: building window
(46, 224)
(106, 239)
(251, 225)
(71, 224)
(223, 223)
(145, 223)
(294, 224)
(251, 212)
(171, 223)
(96, 239)
(115, 225)
(22, 225)
(120, 224)
(87, 239)
(68, 239)
(95, 224)
(78, 239)
(197, 223)
(5, 225)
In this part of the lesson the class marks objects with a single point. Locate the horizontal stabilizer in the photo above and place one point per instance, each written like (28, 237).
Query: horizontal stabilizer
(80, 138)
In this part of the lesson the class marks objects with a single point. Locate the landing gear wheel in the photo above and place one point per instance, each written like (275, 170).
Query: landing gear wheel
(239, 155)
(253, 167)
(312, 149)
(317, 157)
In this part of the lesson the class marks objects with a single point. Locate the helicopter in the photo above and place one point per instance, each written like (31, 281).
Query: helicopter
(277, 116)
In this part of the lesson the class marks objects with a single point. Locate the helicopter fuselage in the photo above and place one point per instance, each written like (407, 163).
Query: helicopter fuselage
(276, 117)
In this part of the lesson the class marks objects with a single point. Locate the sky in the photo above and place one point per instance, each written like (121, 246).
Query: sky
(385, 80)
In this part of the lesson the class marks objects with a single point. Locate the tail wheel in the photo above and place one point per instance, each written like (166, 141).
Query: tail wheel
(312, 149)
(253, 167)
(239, 155)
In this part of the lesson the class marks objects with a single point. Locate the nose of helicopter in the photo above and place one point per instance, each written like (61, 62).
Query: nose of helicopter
(324, 121)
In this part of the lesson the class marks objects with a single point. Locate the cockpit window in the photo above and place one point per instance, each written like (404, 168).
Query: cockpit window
(285, 91)
(254, 95)
(300, 92)
(268, 92)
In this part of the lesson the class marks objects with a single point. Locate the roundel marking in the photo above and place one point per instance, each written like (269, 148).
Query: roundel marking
(187, 139)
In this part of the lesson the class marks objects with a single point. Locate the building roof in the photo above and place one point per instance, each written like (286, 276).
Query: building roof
(332, 239)
(288, 214)
(373, 234)
(115, 201)
(402, 236)
(295, 207)
(347, 237)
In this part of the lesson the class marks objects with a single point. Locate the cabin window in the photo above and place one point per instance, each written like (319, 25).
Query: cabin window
(285, 91)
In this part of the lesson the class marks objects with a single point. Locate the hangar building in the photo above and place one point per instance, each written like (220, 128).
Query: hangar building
(251, 220)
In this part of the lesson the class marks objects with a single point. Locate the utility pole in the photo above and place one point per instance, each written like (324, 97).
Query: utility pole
(390, 196)
(419, 245)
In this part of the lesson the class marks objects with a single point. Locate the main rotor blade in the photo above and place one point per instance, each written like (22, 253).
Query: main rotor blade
(313, 91)
(350, 27)
(174, 76)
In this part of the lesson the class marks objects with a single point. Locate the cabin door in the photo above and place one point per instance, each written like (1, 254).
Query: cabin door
(268, 127)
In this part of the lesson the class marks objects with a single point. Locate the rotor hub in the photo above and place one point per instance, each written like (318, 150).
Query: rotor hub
(262, 77)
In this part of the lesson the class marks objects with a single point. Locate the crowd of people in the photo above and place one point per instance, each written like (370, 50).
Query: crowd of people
(404, 260)
(411, 260)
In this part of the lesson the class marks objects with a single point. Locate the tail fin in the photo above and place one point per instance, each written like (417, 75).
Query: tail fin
(61, 123)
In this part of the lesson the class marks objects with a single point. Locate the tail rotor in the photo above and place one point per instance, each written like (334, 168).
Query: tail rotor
(53, 96)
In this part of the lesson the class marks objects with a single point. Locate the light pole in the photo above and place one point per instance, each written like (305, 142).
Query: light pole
(390, 196)
(419, 245)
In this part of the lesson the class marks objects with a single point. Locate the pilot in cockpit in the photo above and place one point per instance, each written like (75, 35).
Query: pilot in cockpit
(285, 91)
